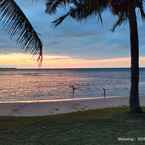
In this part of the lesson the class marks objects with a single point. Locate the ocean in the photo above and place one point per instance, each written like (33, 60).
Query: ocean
(46, 84)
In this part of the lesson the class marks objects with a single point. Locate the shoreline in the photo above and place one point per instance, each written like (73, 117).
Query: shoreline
(60, 100)
(61, 106)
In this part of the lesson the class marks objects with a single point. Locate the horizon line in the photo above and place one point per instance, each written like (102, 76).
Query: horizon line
(29, 68)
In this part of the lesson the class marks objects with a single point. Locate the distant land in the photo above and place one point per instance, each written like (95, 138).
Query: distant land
(6, 69)
(71, 69)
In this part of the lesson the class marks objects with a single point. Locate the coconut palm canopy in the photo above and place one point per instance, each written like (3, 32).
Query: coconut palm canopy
(18, 27)
(82, 9)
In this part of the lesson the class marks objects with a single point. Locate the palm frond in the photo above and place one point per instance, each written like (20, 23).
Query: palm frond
(78, 9)
(86, 8)
(82, 9)
(19, 28)
(141, 8)
(121, 18)
(60, 19)
(52, 5)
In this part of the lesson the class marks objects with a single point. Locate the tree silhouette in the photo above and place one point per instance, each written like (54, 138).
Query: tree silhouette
(124, 10)
(18, 27)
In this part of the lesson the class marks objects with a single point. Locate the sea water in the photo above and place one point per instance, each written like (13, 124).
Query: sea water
(46, 84)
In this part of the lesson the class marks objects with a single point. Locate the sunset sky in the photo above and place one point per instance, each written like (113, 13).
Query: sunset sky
(73, 44)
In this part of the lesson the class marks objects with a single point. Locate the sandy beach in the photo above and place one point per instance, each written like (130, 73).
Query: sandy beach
(59, 106)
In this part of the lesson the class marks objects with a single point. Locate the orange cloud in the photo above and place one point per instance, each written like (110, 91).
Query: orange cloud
(51, 61)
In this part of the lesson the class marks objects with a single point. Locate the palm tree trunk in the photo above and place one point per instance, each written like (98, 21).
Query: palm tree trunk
(134, 41)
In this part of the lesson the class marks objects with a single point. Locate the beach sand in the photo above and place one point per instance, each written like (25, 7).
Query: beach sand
(59, 106)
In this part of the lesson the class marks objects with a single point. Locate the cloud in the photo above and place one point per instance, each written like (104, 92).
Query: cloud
(84, 41)
(60, 61)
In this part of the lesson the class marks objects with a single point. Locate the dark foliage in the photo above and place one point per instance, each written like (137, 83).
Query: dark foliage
(82, 9)
(18, 27)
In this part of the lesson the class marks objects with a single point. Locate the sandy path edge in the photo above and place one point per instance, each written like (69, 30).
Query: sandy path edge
(49, 107)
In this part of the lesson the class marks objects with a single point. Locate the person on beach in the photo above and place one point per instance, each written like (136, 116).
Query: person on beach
(73, 90)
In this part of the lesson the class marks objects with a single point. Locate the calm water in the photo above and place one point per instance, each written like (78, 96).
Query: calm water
(53, 84)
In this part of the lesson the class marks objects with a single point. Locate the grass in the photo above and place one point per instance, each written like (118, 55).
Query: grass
(97, 127)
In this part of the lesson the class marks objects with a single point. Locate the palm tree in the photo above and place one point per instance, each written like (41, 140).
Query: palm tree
(18, 27)
(124, 10)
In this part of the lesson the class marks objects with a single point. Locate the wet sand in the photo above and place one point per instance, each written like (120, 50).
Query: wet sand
(59, 106)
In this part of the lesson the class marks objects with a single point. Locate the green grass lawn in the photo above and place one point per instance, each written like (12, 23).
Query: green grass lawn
(98, 127)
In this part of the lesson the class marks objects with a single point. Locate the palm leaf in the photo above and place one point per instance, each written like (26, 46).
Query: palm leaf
(19, 28)
(52, 5)
(82, 9)
(78, 9)
(121, 18)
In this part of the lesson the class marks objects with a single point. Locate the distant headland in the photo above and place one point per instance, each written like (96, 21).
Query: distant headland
(7, 69)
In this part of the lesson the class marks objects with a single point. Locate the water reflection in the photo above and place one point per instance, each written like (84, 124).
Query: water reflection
(35, 85)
